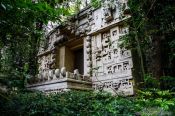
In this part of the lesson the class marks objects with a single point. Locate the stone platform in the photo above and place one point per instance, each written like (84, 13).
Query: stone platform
(58, 82)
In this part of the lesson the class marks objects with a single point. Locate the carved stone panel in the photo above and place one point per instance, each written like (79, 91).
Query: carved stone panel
(111, 64)
(122, 86)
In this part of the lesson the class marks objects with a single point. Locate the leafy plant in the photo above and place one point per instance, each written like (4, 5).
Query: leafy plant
(155, 101)
(167, 82)
(73, 103)
(151, 82)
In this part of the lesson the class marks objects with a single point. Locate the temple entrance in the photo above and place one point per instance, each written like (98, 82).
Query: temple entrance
(79, 60)
(74, 56)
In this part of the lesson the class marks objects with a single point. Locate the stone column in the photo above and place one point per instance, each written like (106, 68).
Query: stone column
(87, 56)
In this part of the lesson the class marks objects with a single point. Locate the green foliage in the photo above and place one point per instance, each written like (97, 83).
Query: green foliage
(172, 46)
(78, 103)
(150, 81)
(72, 103)
(96, 3)
(157, 100)
(167, 82)
(21, 23)
(151, 21)
(154, 101)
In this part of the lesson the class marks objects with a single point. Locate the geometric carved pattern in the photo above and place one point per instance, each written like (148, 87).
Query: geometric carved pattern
(109, 61)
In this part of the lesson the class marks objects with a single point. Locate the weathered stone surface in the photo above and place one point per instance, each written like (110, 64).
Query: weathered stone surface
(61, 85)
(105, 64)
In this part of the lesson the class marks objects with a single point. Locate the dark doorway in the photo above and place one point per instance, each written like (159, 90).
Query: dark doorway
(79, 60)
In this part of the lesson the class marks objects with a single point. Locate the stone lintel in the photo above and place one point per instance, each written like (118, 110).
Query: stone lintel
(107, 27)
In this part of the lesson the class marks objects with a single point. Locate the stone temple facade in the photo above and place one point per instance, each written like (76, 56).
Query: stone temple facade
(84, 53)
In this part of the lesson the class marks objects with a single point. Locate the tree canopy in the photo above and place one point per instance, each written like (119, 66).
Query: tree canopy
(21, 23)
(151, 32)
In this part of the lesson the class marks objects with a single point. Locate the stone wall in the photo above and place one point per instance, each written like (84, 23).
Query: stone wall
(111, 65)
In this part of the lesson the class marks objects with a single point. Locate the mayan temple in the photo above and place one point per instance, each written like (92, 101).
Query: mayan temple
(84, 53)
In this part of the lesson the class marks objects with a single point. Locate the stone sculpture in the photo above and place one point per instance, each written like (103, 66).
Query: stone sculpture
(76, 74)
(107, 8)
(63, 72)
(51, 74)
(57, 73)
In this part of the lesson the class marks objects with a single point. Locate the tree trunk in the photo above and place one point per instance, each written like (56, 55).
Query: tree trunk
(155, 67)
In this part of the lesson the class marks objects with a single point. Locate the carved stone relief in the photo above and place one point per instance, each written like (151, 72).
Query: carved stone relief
(108, 7)
(109, 65)
(121, 86)
(109, 60)
(97, 20)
